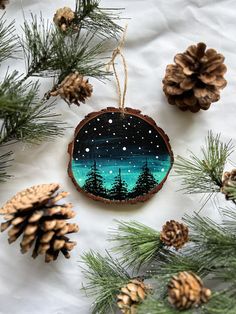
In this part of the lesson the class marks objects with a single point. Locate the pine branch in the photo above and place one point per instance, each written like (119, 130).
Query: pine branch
(51, 53)
(24, 116)
(170, 263)
(4, 164)
(220, 303)
(138, 243)
(209, 238)
(204, 174)
(8, 40)
(154, 305)
(105, 277)
(98, 20)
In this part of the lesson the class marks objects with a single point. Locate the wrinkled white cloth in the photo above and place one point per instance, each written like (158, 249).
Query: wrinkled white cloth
(158, 29)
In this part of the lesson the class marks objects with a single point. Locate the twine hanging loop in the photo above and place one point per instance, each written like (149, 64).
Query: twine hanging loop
(118, 51)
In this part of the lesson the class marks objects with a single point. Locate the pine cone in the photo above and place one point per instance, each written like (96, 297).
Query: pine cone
(74, 89)
(131, 295)
(3, 4)
(228, 181)
(35, 214)
(196, 78)
(174, 234)
(64, 18)
(186, 290)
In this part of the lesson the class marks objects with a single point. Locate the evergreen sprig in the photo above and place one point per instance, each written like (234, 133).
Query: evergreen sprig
(204, 174)
(105, 277)
(5, 160)
(100, 21)
(8, 40)
(24, 116)
(51, 53)
(138, 243)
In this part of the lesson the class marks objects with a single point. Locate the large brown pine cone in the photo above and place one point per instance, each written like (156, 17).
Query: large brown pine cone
(174, 234)
(186, 290)
(64, 18)
(74, 89)
(196, 78)
(3, 4)
(34, 214)
(131, 295)
(228, 181)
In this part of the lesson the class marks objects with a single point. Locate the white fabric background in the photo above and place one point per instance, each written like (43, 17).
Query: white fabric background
(158, 29)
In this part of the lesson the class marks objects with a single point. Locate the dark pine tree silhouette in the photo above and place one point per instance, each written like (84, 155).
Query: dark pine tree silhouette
(145, 182)
(94, 183)
(119, 190)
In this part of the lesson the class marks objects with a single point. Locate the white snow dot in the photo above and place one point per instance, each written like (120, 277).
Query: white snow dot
(142, 138)
(162, 170)
(97, 147)
(110, 171)
(114, 133)
(126, 137)
(107, 141)
(157, 146)
(95, 129)
(128, 170)
(85, 131)
(151, 142)
(92, 141)
(157, 157)
(99, 134)
(98, 119)
(149, 131)
(76, 158)
(124, 148)
(139, 148)
(77, 141)
(87, 149)
(110, 121)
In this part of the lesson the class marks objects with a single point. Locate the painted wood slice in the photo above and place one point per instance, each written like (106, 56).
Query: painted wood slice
(119, 157)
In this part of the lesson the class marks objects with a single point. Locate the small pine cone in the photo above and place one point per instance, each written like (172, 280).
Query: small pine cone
(3, 4)
(196, 78)
(174, 234)
(74, 89)
(34, 214)
(228, 181)
(131, 295)
(64, 18)
(186, 291)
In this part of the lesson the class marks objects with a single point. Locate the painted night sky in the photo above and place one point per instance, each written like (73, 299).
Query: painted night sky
(115, 141)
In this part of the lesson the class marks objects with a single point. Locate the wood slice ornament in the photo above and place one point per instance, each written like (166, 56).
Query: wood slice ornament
(119, 155)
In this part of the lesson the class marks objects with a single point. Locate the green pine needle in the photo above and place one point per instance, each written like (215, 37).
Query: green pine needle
(209, 238)
(24, 116)
(204, 175)
(100, 21)
(105, 277)
(138, 243)
(8, 40)
(170, 263)
(153, 305)
(5, 160)
(51, 53)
